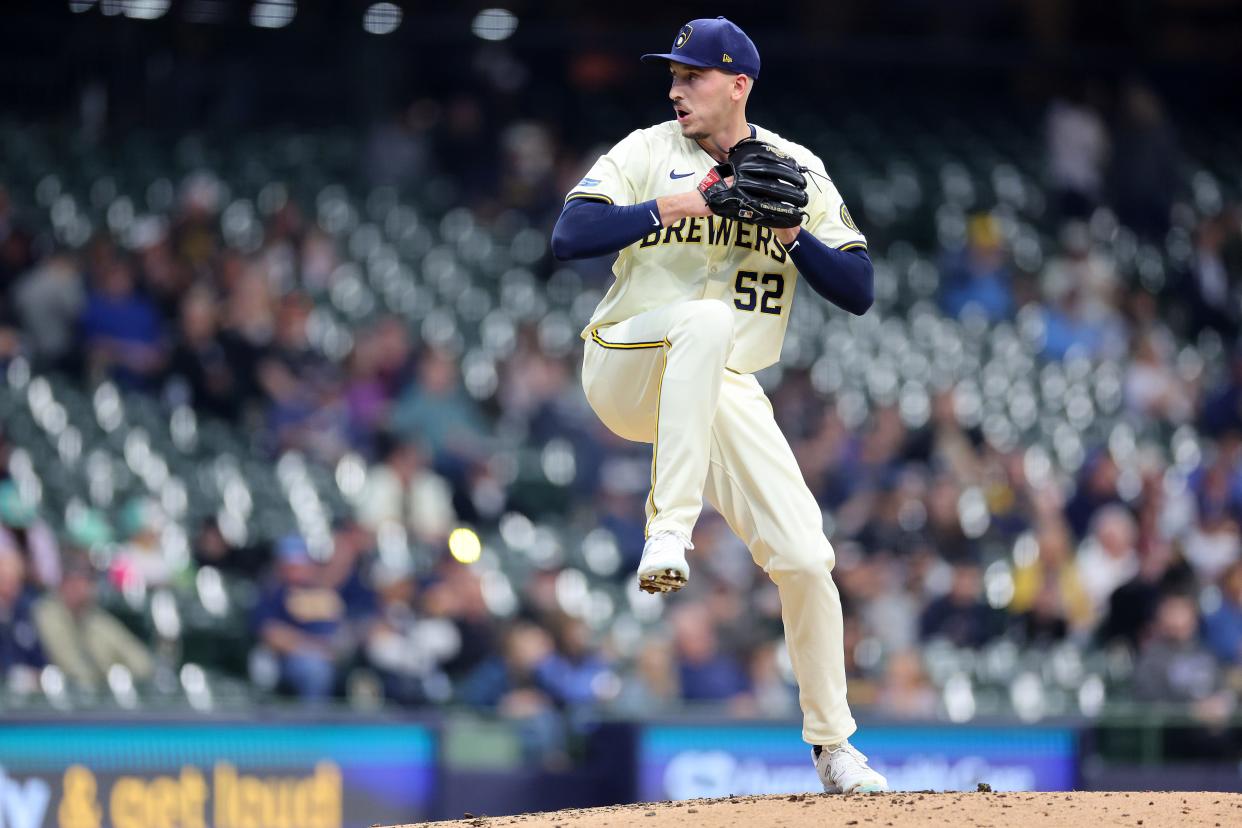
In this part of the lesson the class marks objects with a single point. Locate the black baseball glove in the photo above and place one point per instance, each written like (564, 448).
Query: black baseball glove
(768, 187)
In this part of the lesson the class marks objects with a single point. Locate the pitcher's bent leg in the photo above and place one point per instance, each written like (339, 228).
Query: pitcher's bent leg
(699, 345)
(697, 337)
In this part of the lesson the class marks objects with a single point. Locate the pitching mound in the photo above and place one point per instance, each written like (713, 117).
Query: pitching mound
(899, 810)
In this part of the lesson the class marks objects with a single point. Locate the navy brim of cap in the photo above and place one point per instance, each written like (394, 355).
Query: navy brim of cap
(680, 59)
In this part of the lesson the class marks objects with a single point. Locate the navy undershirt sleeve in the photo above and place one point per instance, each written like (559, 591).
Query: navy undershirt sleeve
(843, 277)
(590, 228)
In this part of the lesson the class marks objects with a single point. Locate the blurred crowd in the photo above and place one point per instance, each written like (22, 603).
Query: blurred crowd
(940, 536)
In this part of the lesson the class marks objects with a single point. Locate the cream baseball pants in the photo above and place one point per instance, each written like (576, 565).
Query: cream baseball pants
(660, 378)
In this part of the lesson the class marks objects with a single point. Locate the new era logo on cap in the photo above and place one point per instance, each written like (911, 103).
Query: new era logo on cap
(713, 42)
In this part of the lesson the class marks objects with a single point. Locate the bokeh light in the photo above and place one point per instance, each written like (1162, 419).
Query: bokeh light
(273, 14)
(464, 545)
(494, 24)
(381, 18)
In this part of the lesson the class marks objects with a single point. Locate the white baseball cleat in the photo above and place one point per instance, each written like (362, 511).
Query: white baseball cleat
(663, 567)
(844, 769)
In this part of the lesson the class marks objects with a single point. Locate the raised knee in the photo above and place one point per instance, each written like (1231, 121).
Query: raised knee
(706, 319)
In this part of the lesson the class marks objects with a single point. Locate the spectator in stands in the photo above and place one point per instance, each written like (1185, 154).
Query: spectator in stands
(1096, 487)
(1153, 388)
(822, 454)
(879, 453)
(20, 652)
(889, 610)
(49, 300)
(10, 338)
(1144, 175)
(212, 547)
(527, 175)
(906, 692)
(195, 234)
(1081, 289)
(1077, 143)
(1213, 544)
(304, 623)
(348, 571)
(621, 514)
(1215, 273)
(576, 672)
(961, 616)
(704, 671)
(883, 530)
(402, 489)
(1132, 606)
(305, 409)
(81, 638)
(204, 360)
(554, 405)
(366, 396)
(944, 442)
(508, 683)
(978, 277)
(436, 410)
(1044, 623)
(248, 319)
(771, 694)
(742, 621)
(396, 148)
(164, 279)
(464, 128)
(1174, 666)
(318, 258)
(16, 250)
(25, 532)
(405, 647)
(651, 681)
(1009, 496)
(278, 257)
(454, 592)
(1217, 484)
(1107, 558)
(142, 559)
(509, 678)
(944, 524)
(727, 564)
(121, 329)
(1049, 599)
(531, 378)
(1064, 333)
(1223, 626)
(1222, 407)
(394, 354)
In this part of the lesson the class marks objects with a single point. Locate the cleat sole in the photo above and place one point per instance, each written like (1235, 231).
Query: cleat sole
(656, 583)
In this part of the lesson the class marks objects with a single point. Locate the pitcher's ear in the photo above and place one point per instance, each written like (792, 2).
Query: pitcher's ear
(741, 86)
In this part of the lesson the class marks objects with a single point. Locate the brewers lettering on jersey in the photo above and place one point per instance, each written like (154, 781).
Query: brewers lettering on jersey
(699, 303)
(701, 257)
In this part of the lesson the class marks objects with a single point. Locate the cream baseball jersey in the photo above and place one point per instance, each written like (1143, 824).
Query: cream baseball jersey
(708, 257)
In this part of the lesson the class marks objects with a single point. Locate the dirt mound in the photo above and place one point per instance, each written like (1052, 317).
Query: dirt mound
(1022, 810)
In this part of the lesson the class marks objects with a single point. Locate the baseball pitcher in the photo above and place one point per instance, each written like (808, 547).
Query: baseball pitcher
(714, 220)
